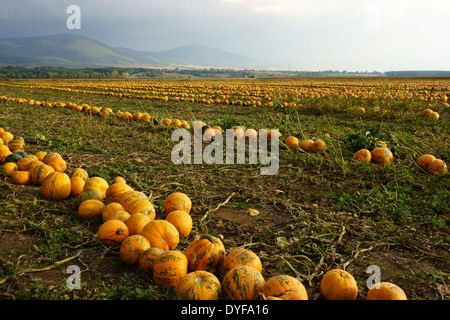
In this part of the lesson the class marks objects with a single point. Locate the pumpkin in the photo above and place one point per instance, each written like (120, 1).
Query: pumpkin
(284, 287)
(291, 141)
(306, 145)
(20, 177)
(363, 155)
(4, 153)
(382, 155)
(33, 164)
(112, 233)
(6, 136)
(77, 185)
(169, 267)
(424, 161)
(86, 195)
(115, 190)
(338, 284)
(437, 167)
(386, 291)
(109, 209)
(96, 183)
(121, 215)
(128, 197)
(268, 135)
(40, 172)
(9, 168)
(137, 222)
(177, 201)
(205, 253)
(251, 134)
(119, 180)
(40, 155)
(51, 156)
(199, 285)
(56, 186)
(148, 258)
(241, 257)
(132, 249)
(242, 283)
(13, 157)
(59, 164)
(161, 234)
(79, 172)
(182, 221)
(16, 144)
(90, 209)
(141, 206)
(23, 163)
(318, 146)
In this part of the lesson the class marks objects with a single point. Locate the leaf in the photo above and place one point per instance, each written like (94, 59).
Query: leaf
(253, 212)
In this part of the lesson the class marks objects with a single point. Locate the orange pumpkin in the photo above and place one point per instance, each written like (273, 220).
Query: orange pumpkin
(382, 155)
(59, 164)
(40, 172)
(199, 285)
(318, 146)
(119, 179)
(109, 209)
(77, 185)
(79, 172)
(169, 267)
(20, 177)
(40, 155)
(96, 183)
(338, 284)
(115, 190)
(137, 222)
(23, 163)
(132, 248)
(112, 233)
(177, 201)
(386, 291)
(51, 156)
(205, 253)
(4, 152)
(285, 287)
(56, 186)
(242, 283)
(161, 234)
(90, 209)
(241, 257)
(121, 215)
(437, 167)
(148, 258)
(182, 221)
(9, 168)
(363, 155)
(86, 195)
(131, 196)
(291, 141)
(424, 161)
(141, 206)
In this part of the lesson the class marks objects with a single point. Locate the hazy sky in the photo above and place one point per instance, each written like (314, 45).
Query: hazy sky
(300, 34)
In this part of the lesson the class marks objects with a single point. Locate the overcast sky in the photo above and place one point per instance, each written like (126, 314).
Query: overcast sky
(353, 35)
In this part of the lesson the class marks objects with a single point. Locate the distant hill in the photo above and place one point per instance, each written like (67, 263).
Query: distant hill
(66, 50)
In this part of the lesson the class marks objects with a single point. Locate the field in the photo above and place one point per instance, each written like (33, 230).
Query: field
(320, 211)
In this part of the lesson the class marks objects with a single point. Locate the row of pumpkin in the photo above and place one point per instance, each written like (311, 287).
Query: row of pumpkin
(380, 154)
(203, 271)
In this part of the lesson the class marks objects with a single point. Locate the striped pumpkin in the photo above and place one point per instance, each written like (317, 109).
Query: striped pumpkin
(148, 258)
(285, 287)
(199, 285)
(169, 267)
(56, 186)
(40, 172)
(242, 283)
(205, 253)
(161, 234)
(96, 183)
(132, 249)
(239, 257)
(115, 190)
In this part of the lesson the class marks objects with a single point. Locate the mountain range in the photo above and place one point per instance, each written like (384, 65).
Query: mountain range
(67, 50)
